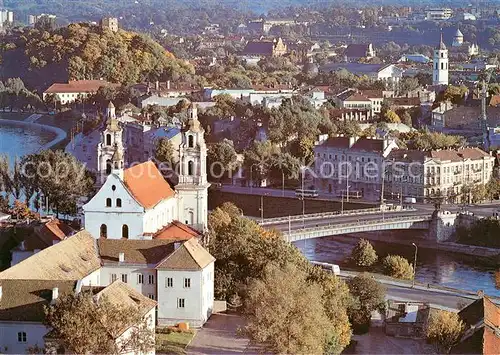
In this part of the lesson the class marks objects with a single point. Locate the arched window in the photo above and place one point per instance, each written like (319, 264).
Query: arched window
(109, 165)
(104, 231)
(118, 202)
(125, 231)
(190, 141)
(190, 167)
(108, 139)
(108, 202)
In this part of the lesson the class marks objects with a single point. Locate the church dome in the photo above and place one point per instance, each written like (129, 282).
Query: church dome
(458, 33)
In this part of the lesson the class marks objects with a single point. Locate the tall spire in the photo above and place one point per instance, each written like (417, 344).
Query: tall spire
(442, 46)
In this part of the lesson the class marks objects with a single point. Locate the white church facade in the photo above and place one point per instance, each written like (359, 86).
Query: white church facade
(137, 202)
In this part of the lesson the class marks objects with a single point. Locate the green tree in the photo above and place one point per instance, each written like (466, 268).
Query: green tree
(444, 330)
(221, 158)
(84, 325)
(398, 267)
(164, 151)
(291, 322)
(369, 296)
(364, 254)
(391, 117)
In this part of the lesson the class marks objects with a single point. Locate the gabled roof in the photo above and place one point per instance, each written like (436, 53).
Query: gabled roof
(24, 300)
(176, 231)
(356, 97)
(146, 183)
(53, 230)
(78, 86)
(120, 294)
(189, 256)
(135, 251)
(71, 259)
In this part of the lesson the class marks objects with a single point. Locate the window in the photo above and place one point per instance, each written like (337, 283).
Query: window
(140, 278)
(108, 139)
(124, 278)
(21, 337)
(108, 202)
(190, 167)
(436, 66)
(169, 282)
(151, 279)
(104, 231)
(125, 231)
(113, 188)
(118, 202)
(190, 141)
(181, 303)
(151, 296)
(113, 277)
(108, 167)
(187, 282)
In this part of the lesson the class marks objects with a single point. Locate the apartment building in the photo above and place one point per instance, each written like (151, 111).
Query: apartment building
(419, 174)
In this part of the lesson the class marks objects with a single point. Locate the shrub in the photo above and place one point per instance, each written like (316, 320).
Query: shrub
(398, 267)
(363, 254)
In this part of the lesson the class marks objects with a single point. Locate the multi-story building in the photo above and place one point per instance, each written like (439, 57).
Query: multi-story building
(75, 89)
(350, 166)
(34, 19)
(6, 17)
(355, 52)
(425, 174)
(439, 14)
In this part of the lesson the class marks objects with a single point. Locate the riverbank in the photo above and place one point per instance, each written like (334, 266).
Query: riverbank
(59, 134)
(490, 255)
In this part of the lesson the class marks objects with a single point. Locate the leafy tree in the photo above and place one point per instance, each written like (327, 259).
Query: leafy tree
(164, 151)
(483, 232)
(221, 158)
(398, 267)
(84, 325)
(364, 254)
(391, 117)
(406, 118)
(369, 295)
(287, 322)
(21, 211)
(349, 128)
(4, 205)
(444, 330)
(432, 140)
(408, 84)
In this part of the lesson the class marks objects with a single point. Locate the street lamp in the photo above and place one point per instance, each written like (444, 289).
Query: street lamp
(302, 198)
(342, 200)
(251, 177)
(414, 264)
(262, 206)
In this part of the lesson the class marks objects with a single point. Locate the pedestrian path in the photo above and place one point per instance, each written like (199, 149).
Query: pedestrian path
(33, 118)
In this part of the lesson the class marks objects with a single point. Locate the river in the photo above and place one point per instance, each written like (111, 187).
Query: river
(435, 267)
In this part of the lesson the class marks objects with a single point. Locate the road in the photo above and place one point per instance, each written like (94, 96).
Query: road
(447, 300)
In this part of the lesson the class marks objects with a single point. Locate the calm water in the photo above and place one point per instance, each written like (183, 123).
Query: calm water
(446, 269)
(18, 141)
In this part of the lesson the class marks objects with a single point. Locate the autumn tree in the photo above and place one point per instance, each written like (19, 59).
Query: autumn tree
(391, 117)
(164, 151)
(369, 296)
(83, 325)
(291, 322)
(444, 330)
(364, 254)
(221, 158)
(398, 267)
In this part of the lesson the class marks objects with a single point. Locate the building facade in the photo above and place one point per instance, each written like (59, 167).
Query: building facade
(440, 64)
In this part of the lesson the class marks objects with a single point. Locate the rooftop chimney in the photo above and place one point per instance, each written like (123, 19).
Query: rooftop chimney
(121, 257)
(55, 294)
(168, 84)
(157, 85)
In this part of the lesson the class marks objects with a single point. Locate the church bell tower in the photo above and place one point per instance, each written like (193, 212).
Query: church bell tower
(440, 62)
(193, 186)
(111, 144)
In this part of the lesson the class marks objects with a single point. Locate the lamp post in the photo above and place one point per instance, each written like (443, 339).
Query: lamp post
(303, 199)
(414, 264)
(342, 200)
(282, 183)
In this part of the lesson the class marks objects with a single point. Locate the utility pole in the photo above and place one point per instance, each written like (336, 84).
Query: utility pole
(282, 183)
(347, 185)
(303, 201)
(414, 264)
(262, 208)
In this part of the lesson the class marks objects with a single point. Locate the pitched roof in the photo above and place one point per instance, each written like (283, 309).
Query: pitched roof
(369, 145)
(120, 294)
(481, 309)
(259, 47)
(135, 251)
(176, 231)
(53, 230)
(189, 256)
(71, 259)
(495, 100)
(356, 50)
(471, 153)
(24, 300)
(78, 86)
(357, 97)
(147, 184)
(373, 94)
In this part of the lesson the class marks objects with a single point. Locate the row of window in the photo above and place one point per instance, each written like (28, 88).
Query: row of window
(118, 202)
(103, 233)
(349, 158)
(169, 281)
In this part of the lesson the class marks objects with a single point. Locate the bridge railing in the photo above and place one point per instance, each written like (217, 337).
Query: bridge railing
(321, 215)
(364, 223)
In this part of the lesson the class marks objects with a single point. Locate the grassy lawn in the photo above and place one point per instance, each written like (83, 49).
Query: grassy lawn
(173, 343)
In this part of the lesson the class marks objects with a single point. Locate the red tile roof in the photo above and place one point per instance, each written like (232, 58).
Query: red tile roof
(357, 97)
(373, 94)
(147, 184)
(495, 100)
(77, 86)
(176, 231)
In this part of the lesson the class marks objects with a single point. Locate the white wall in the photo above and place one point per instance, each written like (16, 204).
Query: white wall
(132, 272)
(207, 291)
(8, 336)
(168, 312)
(131, 213)
(92, 279)
(159, 216)
(193, 206)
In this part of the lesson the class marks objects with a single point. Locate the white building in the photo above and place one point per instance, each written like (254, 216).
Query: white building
(439, 14)
(440, 64)
(137, 202)
(66, 93)
(6, 17)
